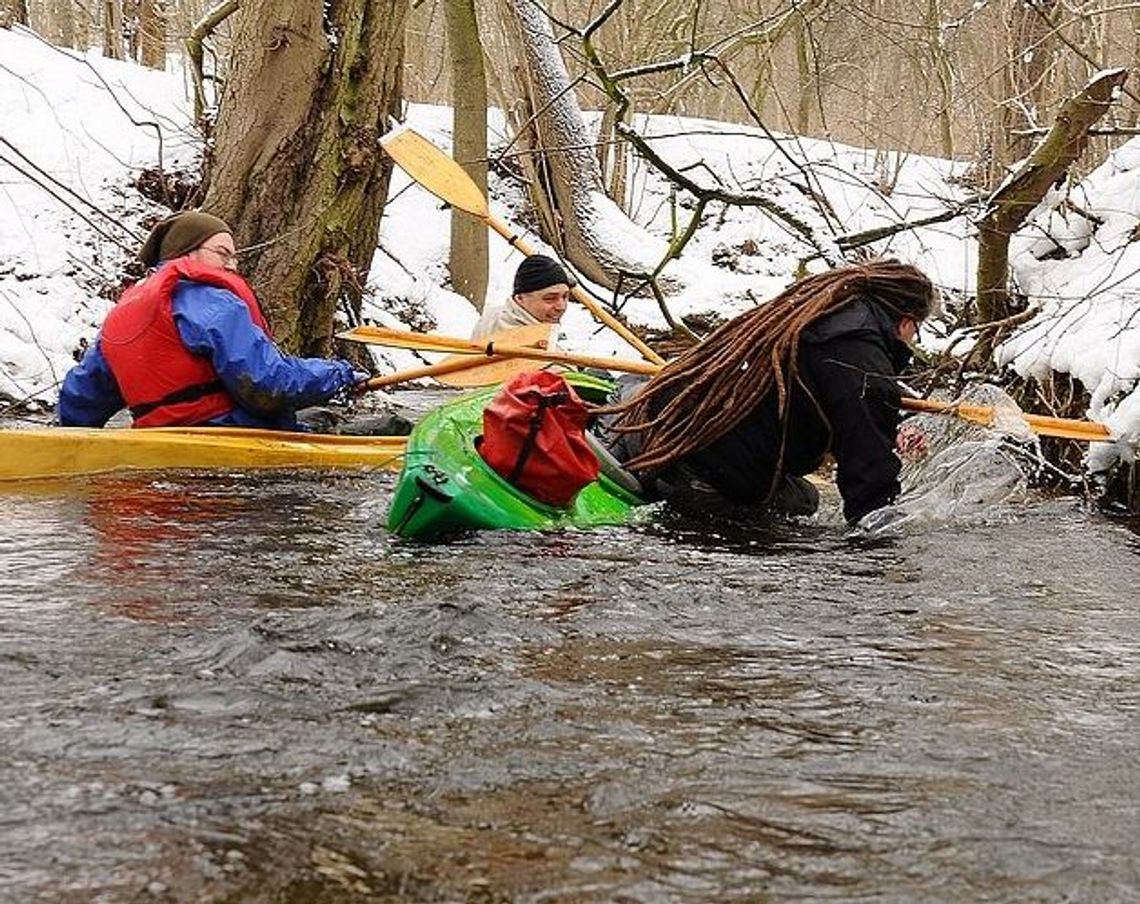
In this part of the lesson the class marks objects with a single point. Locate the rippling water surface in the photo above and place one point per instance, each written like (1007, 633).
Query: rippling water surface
(243, 689)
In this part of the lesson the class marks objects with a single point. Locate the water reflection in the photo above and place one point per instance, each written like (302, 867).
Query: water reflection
(41, 543)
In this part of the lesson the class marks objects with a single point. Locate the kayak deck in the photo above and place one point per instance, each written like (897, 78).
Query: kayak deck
(51, 452)
(447, 488)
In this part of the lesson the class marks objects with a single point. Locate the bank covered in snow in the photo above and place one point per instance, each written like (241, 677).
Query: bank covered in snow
(1080, 264)
(78, 130)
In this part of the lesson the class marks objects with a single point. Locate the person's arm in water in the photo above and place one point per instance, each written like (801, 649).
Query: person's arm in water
(89, 396)
(261, 378)
(860, 399)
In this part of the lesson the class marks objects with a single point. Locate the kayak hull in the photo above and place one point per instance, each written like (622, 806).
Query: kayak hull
(54, 452)
(446, 488)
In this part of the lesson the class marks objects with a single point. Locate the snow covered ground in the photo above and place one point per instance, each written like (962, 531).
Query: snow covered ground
(75, 131)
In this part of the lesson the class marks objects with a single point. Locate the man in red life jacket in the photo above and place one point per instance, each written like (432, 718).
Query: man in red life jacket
(188, 345)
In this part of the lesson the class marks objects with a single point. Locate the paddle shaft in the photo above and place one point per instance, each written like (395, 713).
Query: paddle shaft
(571, 360)
(1063, 428)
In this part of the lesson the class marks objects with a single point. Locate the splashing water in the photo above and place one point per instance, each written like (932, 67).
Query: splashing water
(1009, 419)
(955, 469)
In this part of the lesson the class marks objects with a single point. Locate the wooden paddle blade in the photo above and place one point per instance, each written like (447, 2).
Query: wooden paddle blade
(499, 370)
(434, 170)
(485, 371)
(536, 334)
(495, 371)
(438, 371)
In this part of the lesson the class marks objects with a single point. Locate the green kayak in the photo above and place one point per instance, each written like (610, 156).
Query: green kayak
(445, 487)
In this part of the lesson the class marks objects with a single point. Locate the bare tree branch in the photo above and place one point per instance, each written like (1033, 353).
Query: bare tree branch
(703, 194)
(195, 49)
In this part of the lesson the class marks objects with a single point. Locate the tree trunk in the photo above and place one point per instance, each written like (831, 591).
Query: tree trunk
(83, 20)
(298, 171)
(794, 23)
(943, 75)
(196, 51)
(55, 20)
(586, 226)
(131, 28)
(613, 157)
(801, 39)
(1025, 188)
(13, 12)
(468, 258)
(113, 29)
(1030, 54)
(152, 34)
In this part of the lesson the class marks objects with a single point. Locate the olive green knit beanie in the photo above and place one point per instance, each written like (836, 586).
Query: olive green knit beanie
(178, 235)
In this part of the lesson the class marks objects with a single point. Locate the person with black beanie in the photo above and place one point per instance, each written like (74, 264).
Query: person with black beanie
(540, 295)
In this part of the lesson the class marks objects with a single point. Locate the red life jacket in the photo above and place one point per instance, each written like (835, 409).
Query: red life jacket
(534, 436)
(163, 383)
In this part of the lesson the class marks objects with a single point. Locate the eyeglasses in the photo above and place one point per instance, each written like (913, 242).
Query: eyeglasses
(228, 258)
(914, 324)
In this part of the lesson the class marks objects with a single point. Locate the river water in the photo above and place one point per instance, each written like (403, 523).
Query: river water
(235, 688)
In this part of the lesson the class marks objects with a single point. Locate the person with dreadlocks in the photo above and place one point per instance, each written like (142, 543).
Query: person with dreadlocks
(740, 418)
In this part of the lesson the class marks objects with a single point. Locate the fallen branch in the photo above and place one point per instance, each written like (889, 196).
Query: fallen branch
(1012, 202)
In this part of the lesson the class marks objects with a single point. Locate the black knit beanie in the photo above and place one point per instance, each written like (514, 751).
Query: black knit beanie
(178, 235)
(539, 271)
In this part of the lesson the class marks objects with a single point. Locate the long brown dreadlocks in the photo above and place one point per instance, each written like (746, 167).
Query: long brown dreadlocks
(714, 385)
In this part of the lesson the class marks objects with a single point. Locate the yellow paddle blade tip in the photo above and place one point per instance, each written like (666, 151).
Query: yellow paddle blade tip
(432, 168)
(395, 134)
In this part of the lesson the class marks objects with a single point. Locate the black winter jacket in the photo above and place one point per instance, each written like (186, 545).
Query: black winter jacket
(848, 362)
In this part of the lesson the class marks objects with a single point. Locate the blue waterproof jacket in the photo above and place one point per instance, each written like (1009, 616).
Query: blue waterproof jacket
(268, 385)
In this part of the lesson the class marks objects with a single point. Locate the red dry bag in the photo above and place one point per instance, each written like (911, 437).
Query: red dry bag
(534, 436)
